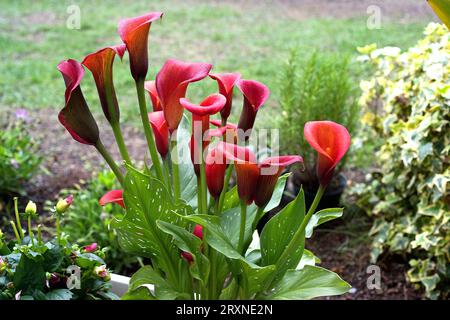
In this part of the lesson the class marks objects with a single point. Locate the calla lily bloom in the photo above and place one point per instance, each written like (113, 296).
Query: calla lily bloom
(113, 196)
(100, 63)
(134, 33)
(247, 171)
(150, 87)
(255, 95)
(231, 130)
(171, 84)
(161, 132)
(331, 141)
(269, 171)
(226, 82)
(215, 167)
(76, 116)
(198, 232)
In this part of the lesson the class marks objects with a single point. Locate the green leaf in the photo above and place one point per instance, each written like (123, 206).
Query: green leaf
(188, 242)
(442, 9)
(53, 257)
(147, 200)
(89, 260)
(321, 217)
(308, 259)
(141, 293)
(308, 283)
(59, 294)
(146, 276)
(277, 192)
(255, 277)
(279, 231)
(29, 274)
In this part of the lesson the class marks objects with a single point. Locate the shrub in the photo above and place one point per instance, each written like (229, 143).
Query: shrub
(407, 110)
(88, 222)
(19, 156)
(319, 89)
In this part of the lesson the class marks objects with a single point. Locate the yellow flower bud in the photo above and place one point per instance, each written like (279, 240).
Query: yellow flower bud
(31, 208)
(64, 204)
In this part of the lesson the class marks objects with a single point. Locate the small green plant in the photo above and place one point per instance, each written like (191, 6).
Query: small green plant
(19, 156)
(407, 110)
(88, 222)
(319, 88)
(34, 269)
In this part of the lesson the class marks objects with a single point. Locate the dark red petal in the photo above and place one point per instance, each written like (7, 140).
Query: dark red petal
(215, 167)
(331, 140)
(134, 33)
(161, 131)
(255, 95)
(150, 87)
(76, 116)
(100, 63)
(113, 196)
(226, 82)
(198, 231)
(171, 83)
(209, 106)
(236, 153)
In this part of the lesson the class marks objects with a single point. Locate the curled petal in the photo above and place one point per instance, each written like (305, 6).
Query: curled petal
(100, 63)
(161, 132)
(255, 95)
(269, 171)
(331, 141)
(171, 84)
(236, 153)
(113, 196)
(226, 82)
(209, 106)
(76, 116)
(150, 87)
(134, 33)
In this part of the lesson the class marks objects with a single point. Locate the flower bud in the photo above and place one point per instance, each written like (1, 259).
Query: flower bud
(64, 204)
(102, 272)
(31, 209)
(91, 248)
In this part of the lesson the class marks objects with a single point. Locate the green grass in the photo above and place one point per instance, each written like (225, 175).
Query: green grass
(256, 42)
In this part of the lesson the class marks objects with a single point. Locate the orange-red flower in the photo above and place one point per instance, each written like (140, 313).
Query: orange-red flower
(171, 84)
(150, 87)
(113, 196)
(331, 141)
(161, 132)
(255, 95)
(76, 116)
(226, 82)
(100, 63)
(134, 33)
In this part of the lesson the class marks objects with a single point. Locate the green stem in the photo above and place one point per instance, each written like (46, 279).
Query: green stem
(213, 260)
(167, 174)
(39, 235)
(175, 169)
(110, 161)
(203, 186)
(147, 130)
(30, 232)
(199, 196)
(120, 142)
(16, 233)
(58, 229)
(259, 215)
(226, 182)
(16, 211)
(242, 227)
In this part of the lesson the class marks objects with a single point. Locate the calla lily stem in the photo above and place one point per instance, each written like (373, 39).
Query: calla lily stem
(242, 227)
(112, 164)
(120, 142)
(226, 182)
(147, 130)
(175, 169)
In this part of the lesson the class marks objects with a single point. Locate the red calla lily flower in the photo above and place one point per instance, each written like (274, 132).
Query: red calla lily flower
(215, 167)
(331, 141)
(255, 95)
(269, 171)
(76, 116)
(231, 131)
(150, 87)
(247, 171)
(200, 115)
(226, 82)
(134, 33)
(113, 196)
(161, 132)
(100, 63)
(171, 84)
(198, 232)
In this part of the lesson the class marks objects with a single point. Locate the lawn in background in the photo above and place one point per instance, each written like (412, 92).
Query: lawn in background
(255, 41)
